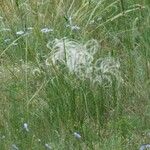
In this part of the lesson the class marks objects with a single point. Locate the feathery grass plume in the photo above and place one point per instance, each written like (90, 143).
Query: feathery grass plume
(76, 56)
(105, 69)
(79, 59)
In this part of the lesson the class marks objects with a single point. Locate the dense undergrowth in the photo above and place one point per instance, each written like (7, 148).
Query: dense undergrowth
(74, 74)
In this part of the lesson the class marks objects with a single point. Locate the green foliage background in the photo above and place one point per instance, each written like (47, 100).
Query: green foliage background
(54, 103)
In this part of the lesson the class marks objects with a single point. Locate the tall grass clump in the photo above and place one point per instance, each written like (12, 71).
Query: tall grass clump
(74, 74)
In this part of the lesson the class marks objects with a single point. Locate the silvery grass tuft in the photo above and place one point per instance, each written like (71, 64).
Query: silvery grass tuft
(79, 59)
(105, 69)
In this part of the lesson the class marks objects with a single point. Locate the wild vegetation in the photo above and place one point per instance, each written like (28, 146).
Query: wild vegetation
(74, 74)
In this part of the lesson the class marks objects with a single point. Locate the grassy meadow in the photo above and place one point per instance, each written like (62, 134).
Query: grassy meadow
(74, 74)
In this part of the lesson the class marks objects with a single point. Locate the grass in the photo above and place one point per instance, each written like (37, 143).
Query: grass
(111, 112)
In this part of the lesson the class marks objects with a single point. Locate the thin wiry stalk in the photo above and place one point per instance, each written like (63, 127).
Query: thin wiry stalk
(122, 6)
